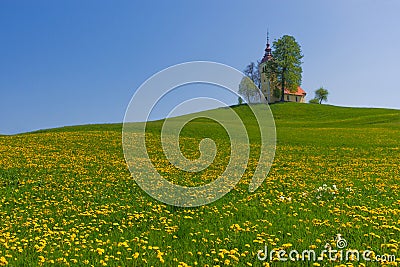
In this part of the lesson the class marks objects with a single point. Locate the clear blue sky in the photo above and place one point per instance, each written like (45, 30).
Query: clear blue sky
(78, 62)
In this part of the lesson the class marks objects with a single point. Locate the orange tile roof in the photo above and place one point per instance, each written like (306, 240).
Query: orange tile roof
(299, 92)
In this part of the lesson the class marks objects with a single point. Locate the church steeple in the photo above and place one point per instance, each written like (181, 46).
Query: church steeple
(268, 51)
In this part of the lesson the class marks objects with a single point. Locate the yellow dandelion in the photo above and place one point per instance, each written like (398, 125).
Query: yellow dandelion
(100, 251)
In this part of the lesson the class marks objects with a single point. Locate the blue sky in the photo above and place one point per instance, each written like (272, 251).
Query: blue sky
(78, 62)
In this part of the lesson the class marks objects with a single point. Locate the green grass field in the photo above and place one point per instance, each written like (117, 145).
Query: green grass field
(68, 199)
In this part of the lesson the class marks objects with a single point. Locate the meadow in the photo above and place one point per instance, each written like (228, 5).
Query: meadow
(67, 197)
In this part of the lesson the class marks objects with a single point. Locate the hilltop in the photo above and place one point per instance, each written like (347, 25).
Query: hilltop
(294, 115)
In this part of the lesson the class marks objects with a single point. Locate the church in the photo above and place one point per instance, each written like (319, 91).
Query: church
(266, 88)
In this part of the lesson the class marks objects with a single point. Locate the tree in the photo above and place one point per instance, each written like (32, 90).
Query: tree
(321, 95)
(249, 91)
(253, 73)
(286, 63)
(314, 101)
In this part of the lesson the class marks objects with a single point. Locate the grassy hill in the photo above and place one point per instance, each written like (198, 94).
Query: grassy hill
(312, 115)
(295, 115)
(67, 197)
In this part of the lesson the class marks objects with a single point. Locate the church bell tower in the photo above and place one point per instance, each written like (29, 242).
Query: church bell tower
(265, 81)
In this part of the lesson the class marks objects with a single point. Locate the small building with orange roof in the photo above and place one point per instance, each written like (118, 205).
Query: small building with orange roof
(298, 96)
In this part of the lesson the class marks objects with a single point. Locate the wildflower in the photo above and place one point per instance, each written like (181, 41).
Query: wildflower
(42, 259)
(3, 261)
(100, 251)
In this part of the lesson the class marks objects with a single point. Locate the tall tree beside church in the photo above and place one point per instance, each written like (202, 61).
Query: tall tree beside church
(287, 63)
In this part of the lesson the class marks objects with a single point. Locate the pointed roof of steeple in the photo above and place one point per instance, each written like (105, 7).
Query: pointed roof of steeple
(268, 51)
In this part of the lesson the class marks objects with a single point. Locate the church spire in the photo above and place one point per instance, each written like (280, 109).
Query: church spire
(268, 51)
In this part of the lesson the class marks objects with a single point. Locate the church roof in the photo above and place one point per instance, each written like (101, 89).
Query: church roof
(268, 54)
(299, 92)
